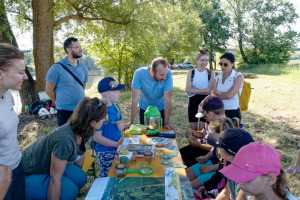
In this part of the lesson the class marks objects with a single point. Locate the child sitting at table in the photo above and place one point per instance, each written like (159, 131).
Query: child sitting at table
(209, 164)
(212, 108)
(108, 137)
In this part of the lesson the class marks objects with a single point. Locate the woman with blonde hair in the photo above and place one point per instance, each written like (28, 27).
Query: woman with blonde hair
(199, 84)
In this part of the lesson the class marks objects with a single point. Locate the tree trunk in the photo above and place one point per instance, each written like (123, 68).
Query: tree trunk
(27, 92)
(43, 26)
(241, 46)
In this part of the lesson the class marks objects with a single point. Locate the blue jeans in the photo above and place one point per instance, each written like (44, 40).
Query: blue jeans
(17, 187)
(63, 116)
(74, 178)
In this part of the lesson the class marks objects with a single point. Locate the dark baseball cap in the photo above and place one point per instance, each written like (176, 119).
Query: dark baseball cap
(109, 84)
(231, 140)
(210, 103)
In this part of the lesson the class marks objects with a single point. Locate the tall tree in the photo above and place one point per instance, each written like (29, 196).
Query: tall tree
(49, 16)
(263, 29)
(214, 29)
(27, 93)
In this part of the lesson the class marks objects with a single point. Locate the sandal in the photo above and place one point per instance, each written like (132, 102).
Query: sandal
(290, 169)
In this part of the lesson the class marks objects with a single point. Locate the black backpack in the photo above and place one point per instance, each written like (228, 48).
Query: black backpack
(36, 106)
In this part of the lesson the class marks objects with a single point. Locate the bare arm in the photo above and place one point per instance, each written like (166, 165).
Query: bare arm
(99, 138)
(167, 109)
(233, 90)
(225, 194)
(190, 90)
(84, 85)
(135, 95)
(5, 180)
(50, 90)
(241, 195)
(57, 168)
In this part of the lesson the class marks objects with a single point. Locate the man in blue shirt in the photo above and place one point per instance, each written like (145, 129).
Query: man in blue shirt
(152, 86)
(61, 87)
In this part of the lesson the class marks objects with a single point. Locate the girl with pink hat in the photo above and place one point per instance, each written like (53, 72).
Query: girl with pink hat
(257, 168)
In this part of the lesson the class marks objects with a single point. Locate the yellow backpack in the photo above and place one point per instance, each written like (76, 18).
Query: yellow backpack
(244, 98)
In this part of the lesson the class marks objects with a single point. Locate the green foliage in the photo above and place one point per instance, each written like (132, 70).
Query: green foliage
(215, 27)
(263, 29)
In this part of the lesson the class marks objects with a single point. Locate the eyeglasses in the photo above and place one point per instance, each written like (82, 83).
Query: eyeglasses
(203, 51)
(78, 47)
(225, 64)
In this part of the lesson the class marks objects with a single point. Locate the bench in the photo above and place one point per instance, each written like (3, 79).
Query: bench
(89, 162)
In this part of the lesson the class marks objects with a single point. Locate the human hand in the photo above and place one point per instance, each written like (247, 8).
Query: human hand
(170, 126)
(120, 140)
(5, 180)
(188, 133)
(194, 142)
(205, 169)
(126, 126)
(202, 159)
(202, 188)
(120, 125)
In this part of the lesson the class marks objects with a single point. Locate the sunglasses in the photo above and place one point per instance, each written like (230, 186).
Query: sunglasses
(203, 51)
(225, 64)
(99, 104)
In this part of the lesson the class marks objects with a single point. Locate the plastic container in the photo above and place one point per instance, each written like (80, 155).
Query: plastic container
(117, 157)
(159, 149)
(120, 170)
(148, 158)
(134, 156)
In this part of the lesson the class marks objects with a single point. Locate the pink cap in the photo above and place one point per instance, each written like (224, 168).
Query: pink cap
(251, 161)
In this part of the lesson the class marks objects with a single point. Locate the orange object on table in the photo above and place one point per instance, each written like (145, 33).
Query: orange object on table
(159, 169)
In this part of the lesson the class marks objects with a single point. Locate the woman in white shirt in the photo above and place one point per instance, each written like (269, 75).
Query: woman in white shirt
(199, 84)
(12, 75)
(227, 85)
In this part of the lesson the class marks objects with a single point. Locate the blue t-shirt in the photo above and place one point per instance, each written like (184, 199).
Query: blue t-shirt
(152, 91)
(109, 128)
(68, 91)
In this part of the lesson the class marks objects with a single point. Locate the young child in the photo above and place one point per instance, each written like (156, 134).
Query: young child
(212, 108)
(208, 164)
(108, 138)
(229, 142)
(257, 169)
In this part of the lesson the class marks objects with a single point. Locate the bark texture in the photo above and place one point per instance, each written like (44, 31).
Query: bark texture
(43, 26)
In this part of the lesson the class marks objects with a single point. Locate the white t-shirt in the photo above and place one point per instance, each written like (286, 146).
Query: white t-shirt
(289, 196)
(9, 149)
(200, 80)
(233, 103)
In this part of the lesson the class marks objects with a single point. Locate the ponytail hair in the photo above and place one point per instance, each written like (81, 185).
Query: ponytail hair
(219, 125)
(236, 122)
(280, 185)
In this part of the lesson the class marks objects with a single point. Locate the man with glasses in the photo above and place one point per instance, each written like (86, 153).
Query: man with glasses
(66, 81)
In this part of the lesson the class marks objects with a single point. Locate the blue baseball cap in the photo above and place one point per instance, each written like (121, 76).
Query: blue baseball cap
(109, 84)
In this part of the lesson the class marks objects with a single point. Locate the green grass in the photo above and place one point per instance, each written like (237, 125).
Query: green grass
(273, 115)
